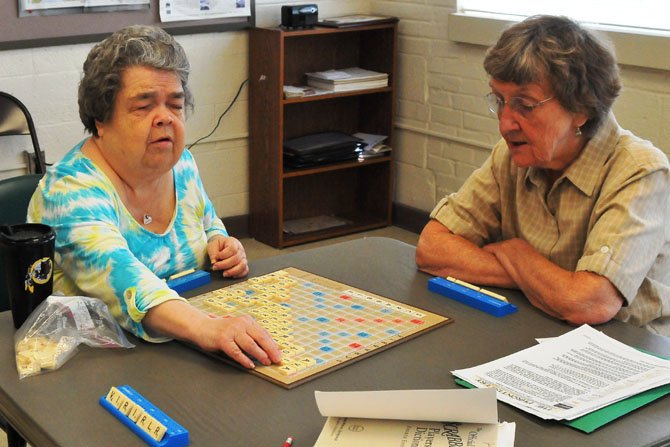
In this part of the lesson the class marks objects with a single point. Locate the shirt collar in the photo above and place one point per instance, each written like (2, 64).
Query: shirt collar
(583, 171)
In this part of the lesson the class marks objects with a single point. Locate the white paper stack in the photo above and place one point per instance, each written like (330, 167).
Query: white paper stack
(347, 79)
(571, 375)
(292, 91)
(374, 145)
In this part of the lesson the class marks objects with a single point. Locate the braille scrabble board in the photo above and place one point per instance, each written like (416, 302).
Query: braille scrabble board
(321, 325)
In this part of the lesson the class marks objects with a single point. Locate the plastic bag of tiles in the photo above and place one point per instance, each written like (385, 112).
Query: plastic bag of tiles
(50, 336)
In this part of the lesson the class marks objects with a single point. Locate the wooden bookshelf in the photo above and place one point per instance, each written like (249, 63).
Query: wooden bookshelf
(357, 192)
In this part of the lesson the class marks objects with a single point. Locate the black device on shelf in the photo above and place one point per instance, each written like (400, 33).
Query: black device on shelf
(321, 148)
(299, 16)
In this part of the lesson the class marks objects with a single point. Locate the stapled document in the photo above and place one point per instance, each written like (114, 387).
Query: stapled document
(421, 418)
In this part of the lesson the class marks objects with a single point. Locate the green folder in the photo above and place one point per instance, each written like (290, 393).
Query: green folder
(596, 419)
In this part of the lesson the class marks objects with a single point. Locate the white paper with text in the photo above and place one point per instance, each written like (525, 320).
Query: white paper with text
(354, 432)
(571, 375)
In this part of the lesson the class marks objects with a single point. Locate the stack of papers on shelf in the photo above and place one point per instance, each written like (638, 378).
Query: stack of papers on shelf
(373, 145)
(320, 148)
(292, 91)
(347, 79)
(570, 377)
(421, 418)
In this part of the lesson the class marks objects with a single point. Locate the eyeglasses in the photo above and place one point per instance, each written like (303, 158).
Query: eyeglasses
(519, 105)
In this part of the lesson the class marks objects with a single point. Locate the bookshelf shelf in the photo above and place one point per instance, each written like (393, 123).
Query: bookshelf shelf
(324, 97)
(335, 166)
(358, 193)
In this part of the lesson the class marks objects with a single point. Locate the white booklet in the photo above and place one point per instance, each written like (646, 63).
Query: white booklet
(347, 75)
(421, 418)
(571, 375)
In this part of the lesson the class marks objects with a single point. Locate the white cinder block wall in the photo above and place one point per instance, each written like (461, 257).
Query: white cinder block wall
(443, 129)
(46, 80)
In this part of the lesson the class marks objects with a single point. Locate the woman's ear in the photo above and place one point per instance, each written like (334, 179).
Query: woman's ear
(579, 119)
(99, 126)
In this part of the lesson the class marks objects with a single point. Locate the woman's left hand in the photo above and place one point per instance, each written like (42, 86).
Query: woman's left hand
(228, 255)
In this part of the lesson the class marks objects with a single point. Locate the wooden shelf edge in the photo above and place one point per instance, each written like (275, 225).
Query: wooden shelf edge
(331, 30)
(365, 91)
(336, 166)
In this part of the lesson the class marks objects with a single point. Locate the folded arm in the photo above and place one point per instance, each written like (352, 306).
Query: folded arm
(443, 253)
(578, 297)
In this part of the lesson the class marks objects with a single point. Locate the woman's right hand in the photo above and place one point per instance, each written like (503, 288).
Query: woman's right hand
(239, 337)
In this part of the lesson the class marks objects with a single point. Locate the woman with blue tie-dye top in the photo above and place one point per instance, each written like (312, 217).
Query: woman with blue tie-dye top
(128, 205)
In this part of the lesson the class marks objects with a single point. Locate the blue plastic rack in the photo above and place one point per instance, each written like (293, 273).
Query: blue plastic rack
(175, 435)
(471, 297)
(190, 281)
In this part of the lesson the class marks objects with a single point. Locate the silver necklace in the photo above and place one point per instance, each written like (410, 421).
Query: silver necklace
(147, 219)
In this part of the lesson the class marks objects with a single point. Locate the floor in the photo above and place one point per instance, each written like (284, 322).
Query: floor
(258, 250)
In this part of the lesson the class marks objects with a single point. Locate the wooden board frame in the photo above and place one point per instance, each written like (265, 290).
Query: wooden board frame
(421, 320)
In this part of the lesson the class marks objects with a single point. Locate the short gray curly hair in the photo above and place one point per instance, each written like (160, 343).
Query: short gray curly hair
(138, 45)
(580, 68)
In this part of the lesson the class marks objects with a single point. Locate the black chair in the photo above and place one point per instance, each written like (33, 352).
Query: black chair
(15, 119)
(15, 194)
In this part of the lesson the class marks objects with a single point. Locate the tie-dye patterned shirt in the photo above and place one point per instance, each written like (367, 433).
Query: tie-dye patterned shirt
(103, 252)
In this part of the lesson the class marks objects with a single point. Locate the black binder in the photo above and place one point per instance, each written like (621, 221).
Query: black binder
(321, 148)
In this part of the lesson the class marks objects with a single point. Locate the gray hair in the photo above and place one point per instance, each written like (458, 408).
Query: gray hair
(580, 68)
(148, 46)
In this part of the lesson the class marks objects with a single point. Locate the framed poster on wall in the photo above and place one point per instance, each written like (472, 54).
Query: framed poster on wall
(176, 10)
(41, 30)
(29, 8)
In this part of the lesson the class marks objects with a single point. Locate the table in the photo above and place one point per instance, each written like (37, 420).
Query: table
(221, 405)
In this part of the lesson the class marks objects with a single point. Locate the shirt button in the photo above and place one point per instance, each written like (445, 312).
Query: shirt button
(604, 249)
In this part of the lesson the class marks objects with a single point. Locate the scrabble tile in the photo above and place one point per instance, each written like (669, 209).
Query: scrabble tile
(135, 413)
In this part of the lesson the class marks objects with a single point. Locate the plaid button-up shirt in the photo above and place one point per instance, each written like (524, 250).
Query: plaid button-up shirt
(608, 213)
